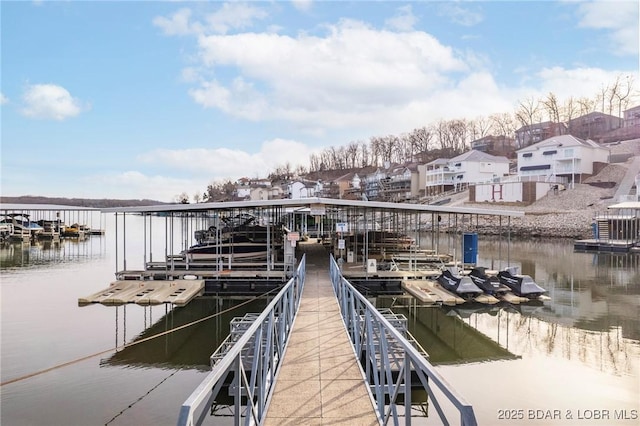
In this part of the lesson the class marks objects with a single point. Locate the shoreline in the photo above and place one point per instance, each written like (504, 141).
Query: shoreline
(566, 214)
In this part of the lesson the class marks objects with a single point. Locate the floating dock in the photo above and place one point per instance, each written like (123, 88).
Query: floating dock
(176, 292)
(430, 292)
(614, 246)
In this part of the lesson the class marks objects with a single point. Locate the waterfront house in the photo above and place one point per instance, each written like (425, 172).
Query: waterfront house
(457, 173)
(594, 125)
(560, 159)
(304, 189)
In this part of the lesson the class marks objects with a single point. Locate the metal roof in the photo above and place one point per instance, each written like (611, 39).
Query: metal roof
(43, 207)
(309, 202)
(626, 205)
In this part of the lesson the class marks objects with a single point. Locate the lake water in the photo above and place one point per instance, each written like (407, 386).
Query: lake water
(577, 355)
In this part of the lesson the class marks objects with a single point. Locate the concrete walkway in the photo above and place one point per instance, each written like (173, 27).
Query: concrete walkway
(320, 382)
(624, 188)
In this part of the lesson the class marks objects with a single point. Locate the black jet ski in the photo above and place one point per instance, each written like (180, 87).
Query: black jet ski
(490, 284)
(521, 285)
(463, 286)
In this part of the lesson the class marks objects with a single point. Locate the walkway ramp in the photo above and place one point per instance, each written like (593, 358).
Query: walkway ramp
(320, 381)
(628, 180)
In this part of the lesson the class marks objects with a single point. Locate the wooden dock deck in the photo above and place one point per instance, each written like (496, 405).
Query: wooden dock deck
(177, 292)
(320, 381)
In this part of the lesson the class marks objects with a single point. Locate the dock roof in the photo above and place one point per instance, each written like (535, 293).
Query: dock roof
(315, 202)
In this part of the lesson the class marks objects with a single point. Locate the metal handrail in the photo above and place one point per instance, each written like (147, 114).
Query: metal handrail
(373, 336)
(253, 377)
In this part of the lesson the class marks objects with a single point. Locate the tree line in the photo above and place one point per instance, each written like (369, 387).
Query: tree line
(456, 135)
(447, 138)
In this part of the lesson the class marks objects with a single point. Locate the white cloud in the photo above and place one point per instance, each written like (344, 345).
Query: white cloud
(3, 99)
(178, 23)
(223, 163)
(357, 79)
(620, 18)
(234, 16)
(404, 20)
(577, 82)
(353, 70)
(303, 5)
(230, 16)
(460, 15)
(50, 101)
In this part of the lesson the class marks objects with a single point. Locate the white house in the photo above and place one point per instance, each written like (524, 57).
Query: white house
(560, 158)
(468, 168)
(300, 189)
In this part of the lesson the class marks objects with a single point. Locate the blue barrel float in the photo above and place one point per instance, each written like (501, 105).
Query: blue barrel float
(470, 247)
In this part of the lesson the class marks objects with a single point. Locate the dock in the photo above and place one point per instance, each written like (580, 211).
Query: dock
(176, 292)
(320, 381)
(612, 246)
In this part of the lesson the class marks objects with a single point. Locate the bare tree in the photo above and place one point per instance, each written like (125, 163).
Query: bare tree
(300, 170)
(550, 104)
(528, 114)
(624, 94)
(376, 144)
(459, 135)
(586, 105)
(569, 111)
(421, 139)
(314, 163)
(364, 154)
(503, 124)
(352, 151)
(600, 99)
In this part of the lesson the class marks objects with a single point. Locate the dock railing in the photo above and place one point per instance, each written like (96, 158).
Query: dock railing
(386, 353)
(253, 376)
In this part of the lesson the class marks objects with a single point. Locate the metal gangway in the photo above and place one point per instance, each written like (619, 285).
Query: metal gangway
(251, 360)
(387, 353)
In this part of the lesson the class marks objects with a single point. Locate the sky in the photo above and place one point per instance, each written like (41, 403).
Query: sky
(148, 100)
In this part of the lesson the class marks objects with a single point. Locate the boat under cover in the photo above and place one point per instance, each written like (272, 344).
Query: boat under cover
(234, 251)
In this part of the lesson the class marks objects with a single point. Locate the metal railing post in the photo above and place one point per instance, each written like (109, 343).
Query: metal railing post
(385, 348)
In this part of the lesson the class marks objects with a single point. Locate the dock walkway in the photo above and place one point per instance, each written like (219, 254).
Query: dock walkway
(320, 381)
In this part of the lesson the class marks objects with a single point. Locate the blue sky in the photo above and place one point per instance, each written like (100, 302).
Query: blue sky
(147, 99)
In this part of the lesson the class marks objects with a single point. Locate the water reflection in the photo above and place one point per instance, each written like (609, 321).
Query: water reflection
(446, 337)
(599, 332)
(42, 252)
(189, 347)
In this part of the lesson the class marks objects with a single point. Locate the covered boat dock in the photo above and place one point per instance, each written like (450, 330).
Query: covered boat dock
(362, 235)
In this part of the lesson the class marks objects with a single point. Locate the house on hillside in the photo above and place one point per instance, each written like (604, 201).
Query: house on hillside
(493, 144)
(396, 186)
(530, 134)
(594, 125)
(561, 159)
(349, 186)
(304, 189)
(630, 127)
(632, 117)
(471, 167)
(371, 182)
